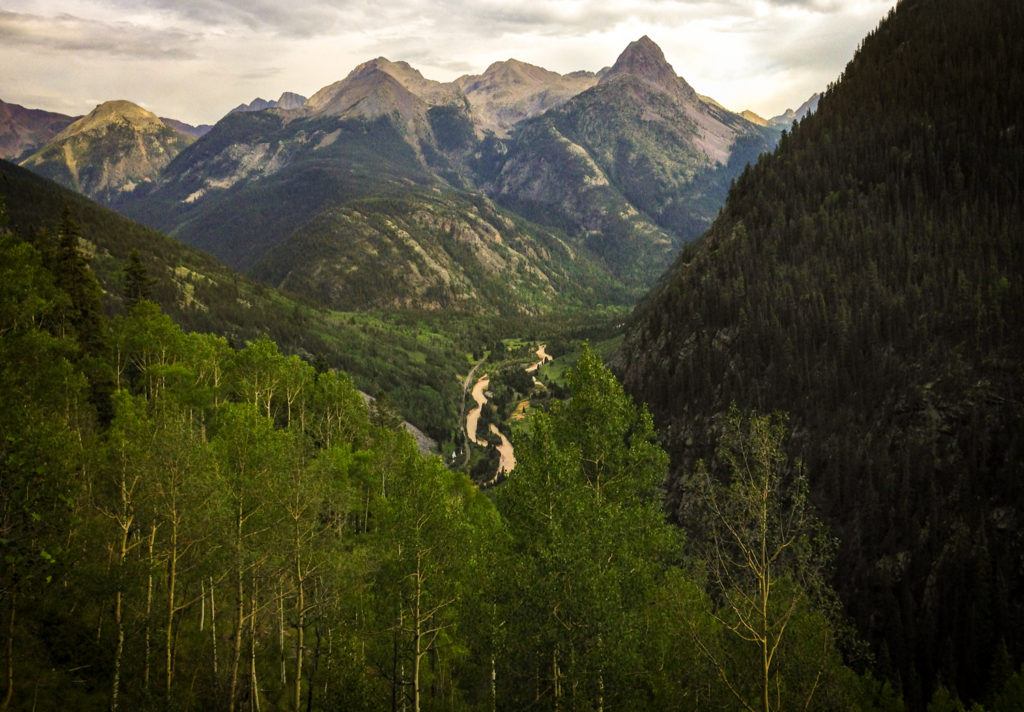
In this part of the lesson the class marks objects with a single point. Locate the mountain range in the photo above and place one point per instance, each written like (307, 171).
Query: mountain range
(853, 267)
(288, 100)
(387, 189)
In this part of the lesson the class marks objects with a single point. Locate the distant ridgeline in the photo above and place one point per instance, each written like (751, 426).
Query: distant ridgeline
(389, 190)
(868, 279)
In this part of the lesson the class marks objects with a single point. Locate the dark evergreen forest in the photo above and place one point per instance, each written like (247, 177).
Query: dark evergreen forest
(868, 279)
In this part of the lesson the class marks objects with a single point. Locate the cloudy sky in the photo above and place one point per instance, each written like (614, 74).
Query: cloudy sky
(196, 59)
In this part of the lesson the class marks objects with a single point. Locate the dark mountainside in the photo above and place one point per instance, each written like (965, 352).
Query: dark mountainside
(184, 128)
(868, 278)
(24, 130)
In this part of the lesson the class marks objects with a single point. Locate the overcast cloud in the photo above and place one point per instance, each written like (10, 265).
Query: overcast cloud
(195, 60)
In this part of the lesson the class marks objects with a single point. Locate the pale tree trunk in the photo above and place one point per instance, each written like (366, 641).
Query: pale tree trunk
(557, 683)
(401, 660)
(300, 625)
(115, 684)
(494, 684)
(330, 661)
(148, 644)
(764, 581)
(254, 697)
(280, 636)
(213, 635)
(172, 584)
(236, 657)
(417, 641)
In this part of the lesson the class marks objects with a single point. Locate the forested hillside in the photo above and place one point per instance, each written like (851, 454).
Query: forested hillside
(410, 362)
(868, 279)
(187, 525)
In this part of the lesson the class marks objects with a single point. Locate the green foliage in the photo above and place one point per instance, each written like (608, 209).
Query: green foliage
(766, 559)
(866, 278)
(589, 549)
(137, 283)
(412, 363)
(243, 531)
(1010, 696)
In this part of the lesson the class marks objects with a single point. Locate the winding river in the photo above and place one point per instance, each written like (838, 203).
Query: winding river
(544, 357)
(473, 417)
(508, 455)
(479, 394)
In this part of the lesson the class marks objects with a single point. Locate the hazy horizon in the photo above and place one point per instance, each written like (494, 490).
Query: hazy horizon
(195, 61)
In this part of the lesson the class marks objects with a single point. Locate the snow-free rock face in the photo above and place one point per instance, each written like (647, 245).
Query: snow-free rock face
(644, 60)
(380, 88)
(23, 130)
(111, 151)
(639, 162)
(288, 101)
(511, 91)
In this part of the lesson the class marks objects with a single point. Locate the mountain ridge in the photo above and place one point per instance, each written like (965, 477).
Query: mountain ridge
(109, 151)
(25, 130)
(544, 147)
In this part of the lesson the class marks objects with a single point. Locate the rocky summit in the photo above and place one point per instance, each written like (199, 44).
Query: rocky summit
(109, 152)
(596, 178)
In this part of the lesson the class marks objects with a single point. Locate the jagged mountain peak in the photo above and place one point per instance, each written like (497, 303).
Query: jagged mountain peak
(411, 79)
(643, 59)
(289, 100)
(257, 104)
(368, 92)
